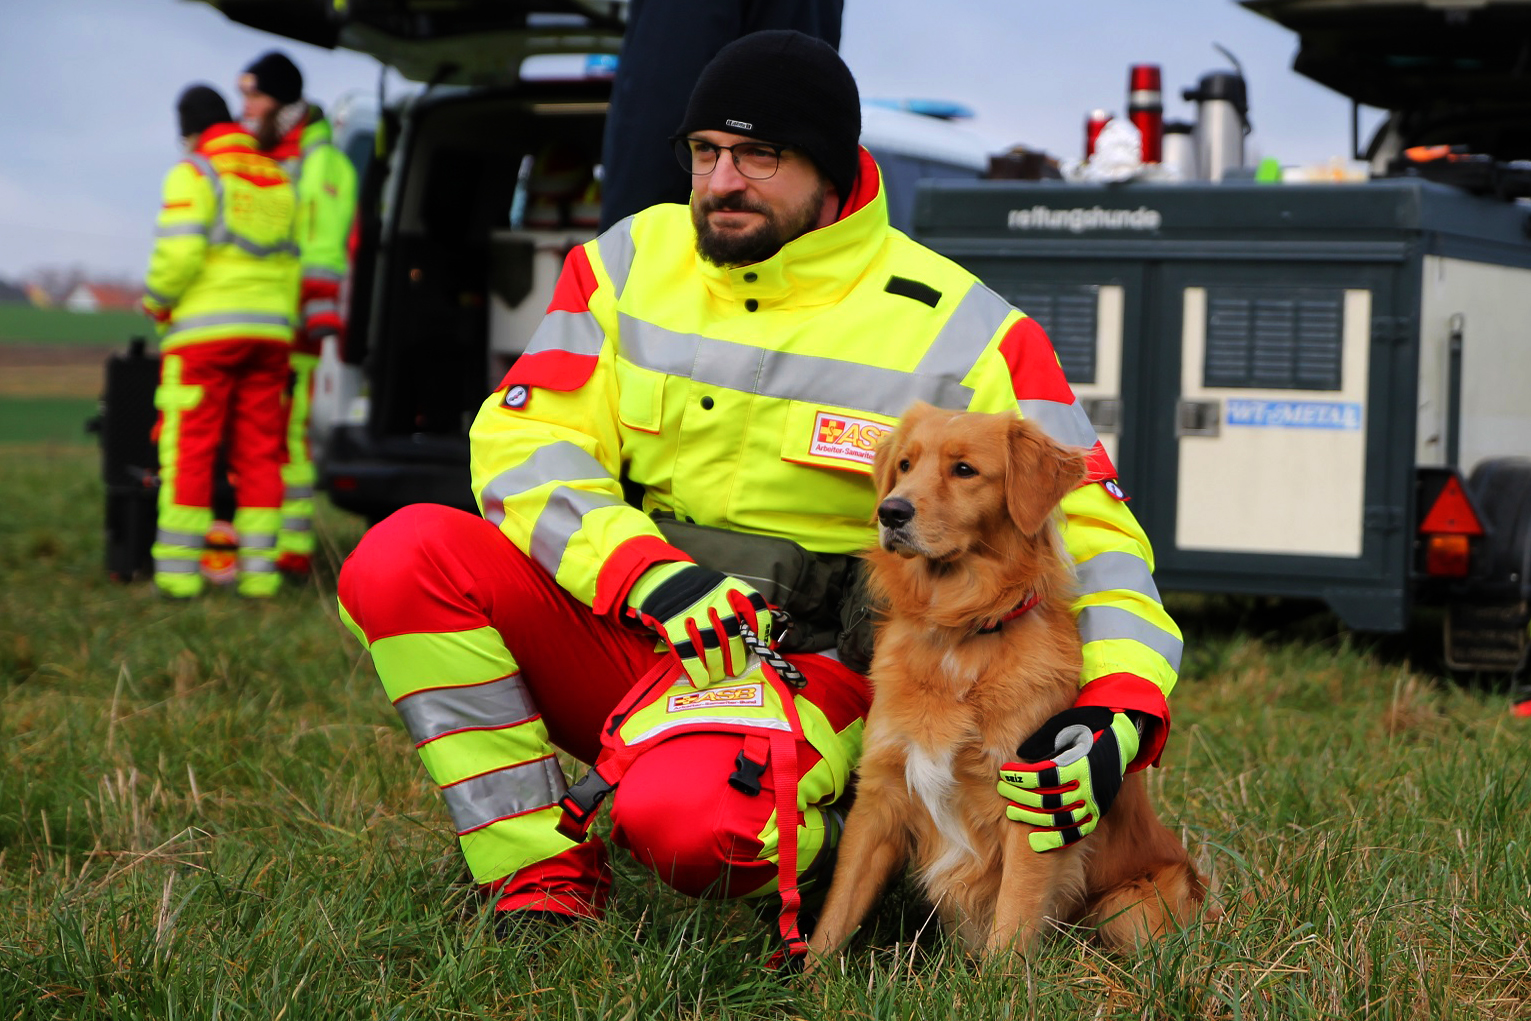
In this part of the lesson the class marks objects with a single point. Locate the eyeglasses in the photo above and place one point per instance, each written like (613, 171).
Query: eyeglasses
(755, 160)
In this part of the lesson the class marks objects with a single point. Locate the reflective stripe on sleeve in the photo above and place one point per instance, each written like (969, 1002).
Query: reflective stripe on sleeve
(575, 332)
(616, 248)
(1114, 571)
(181, 230)
(561, 517)
(1105, 623)
(555, 462)
(1066, 423)
(480, 800)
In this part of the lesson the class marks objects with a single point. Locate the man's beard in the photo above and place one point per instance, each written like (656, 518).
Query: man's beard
(733, 248)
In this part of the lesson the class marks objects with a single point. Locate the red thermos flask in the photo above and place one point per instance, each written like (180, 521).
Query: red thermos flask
(1145, 108)
(1092, 125)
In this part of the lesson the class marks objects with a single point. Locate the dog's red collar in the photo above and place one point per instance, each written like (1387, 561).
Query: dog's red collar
(1026, 604)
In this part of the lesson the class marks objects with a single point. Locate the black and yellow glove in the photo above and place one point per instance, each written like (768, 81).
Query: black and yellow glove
(697, 612)
(1068, 775)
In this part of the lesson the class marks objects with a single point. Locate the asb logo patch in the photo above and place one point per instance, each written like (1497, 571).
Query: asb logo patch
(711, 698)
(1114, 489)
(845, 438)
(516, 396)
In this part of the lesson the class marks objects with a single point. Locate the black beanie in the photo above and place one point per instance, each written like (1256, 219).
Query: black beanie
(199, 108)
(277, 76)
(785, 87)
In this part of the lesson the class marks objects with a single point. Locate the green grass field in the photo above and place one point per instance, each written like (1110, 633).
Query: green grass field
(47, 420)
(24, 324)
(210, 811)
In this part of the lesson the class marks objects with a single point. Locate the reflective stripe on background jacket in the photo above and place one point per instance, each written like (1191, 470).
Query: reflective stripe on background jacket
(224, 262)
(752, 397)
(326, 183)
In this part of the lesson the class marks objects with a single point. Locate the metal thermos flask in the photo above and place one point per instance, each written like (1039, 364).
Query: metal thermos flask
(1222, 121)
(1180, 149)
(1145, 108)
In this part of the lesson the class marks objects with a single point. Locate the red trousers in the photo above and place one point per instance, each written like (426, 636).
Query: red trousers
(236, 399)
(432, 570)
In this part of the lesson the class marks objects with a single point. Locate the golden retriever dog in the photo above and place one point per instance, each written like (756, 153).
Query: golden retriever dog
(968, 533)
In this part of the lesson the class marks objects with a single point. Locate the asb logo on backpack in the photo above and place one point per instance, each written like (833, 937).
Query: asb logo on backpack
(711, 698)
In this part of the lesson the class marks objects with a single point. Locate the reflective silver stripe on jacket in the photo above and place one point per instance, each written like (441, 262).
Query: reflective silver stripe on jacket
(555, 462)
(429, 714)
(221, 233)
(227, 319)
(575, 332)
(564, 512)
(181, 230)
(1117, 572)
(616, 248)
(297, 525)
(325, 274)
(1107, 623)
(177, 565)
(480, 800)
(257, 565)
(562, 516)
(151, 293)
(297, 492)
(320, 306)
(966, 334)
(750, 369)
(1066, 423)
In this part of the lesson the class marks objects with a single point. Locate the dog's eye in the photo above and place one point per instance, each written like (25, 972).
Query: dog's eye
(903, 465)
(963, 470)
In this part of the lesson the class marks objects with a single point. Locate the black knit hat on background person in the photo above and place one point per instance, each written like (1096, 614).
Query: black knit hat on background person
(199, 108)
(785, 87)
(276, 76)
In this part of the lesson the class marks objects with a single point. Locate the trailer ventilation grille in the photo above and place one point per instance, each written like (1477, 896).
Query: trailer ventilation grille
(1068, 314)
(1274, 338)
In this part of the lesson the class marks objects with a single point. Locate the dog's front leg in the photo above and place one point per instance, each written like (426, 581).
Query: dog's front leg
(873, 847)
(1031, 886)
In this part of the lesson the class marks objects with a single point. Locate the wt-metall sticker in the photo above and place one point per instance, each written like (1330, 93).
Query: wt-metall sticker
(1342, 415)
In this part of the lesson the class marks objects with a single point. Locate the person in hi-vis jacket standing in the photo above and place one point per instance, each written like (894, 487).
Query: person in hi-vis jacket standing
(296, 133)
(220, 287)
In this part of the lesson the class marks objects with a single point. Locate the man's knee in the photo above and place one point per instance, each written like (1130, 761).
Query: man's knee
(408, 571)
(675, 812)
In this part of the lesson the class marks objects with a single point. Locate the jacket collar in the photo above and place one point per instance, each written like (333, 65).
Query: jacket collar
(222, 138)
(313, 130)
(821, 266)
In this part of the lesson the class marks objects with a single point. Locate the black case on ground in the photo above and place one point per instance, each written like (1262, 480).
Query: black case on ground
(129, 460)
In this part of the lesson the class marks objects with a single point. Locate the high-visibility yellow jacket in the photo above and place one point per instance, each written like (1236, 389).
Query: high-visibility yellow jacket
(224, 264)
(751, 398)
(326, 184)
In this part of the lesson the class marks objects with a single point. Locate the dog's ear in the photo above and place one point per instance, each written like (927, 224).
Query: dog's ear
(883, 457)
(1039, 474)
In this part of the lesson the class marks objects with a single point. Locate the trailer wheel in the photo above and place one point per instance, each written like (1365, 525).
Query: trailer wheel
(1485, 624)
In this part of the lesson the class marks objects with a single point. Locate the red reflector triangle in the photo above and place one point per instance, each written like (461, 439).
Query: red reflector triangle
(1451, 514)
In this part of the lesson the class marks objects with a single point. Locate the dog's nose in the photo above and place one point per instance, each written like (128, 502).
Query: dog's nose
(895, 512)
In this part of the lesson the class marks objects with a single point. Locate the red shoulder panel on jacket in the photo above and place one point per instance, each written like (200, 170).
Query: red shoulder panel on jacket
(547, 370)
(1034, 370)
(575, 284)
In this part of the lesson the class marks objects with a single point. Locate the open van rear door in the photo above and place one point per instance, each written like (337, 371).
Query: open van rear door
(461, 42)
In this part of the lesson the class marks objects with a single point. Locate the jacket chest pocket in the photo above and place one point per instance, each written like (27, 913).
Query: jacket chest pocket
(827, 437)
(640, 398)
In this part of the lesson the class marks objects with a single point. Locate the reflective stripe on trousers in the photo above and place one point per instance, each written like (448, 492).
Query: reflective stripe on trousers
(463, 701)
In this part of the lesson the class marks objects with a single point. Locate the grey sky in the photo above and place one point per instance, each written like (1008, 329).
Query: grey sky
(87, 89)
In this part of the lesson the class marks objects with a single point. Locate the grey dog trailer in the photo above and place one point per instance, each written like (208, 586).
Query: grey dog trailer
(1309, 390)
